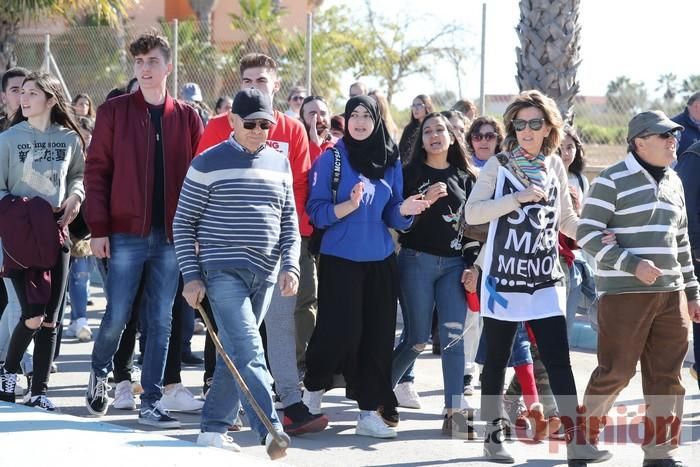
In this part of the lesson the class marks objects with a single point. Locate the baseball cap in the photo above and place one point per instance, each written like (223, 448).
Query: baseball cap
(250, 104)
(653, 122)
(191, 92)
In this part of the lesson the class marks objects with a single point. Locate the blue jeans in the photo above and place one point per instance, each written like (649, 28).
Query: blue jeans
(574, 294)
(131, 257)
(239, 300)
(78, 286)
(428, 280)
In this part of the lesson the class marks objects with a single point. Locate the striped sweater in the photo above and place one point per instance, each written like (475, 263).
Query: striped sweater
(239, 208)
(649, 222)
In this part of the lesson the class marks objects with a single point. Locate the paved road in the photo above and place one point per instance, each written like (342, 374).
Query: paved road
(419, 442)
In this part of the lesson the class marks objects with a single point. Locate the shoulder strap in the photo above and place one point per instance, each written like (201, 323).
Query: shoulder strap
(580, 181)
(335, 181)
(509, 164)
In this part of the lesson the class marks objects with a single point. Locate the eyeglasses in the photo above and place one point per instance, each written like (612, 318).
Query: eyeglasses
(487, 136)
(251, 124)
(534, 124)
(419, 105)
(297, 98)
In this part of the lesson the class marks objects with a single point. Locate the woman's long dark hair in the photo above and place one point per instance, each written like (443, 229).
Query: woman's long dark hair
(456, 154)
(91, 107)
(429, 108)
(61, 113)
(579, 162)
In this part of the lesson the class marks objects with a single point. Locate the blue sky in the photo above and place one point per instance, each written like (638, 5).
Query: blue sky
(638, 38)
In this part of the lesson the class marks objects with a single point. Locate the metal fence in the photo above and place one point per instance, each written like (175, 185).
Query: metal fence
(94, 60)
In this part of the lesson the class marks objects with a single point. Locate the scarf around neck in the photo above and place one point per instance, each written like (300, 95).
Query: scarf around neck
(534, 167)
(372, 155)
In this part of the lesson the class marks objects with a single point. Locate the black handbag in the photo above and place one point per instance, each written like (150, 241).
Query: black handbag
(317, 235)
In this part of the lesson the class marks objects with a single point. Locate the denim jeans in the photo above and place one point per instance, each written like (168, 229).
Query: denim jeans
(132, 257)
(426, 281)
(239, 299)
(573, 297)
(78, 286)
(520, 352)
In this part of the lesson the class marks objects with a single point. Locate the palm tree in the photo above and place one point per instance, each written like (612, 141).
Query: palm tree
(260, 23)
(668, 83)
(13, 12)
(548, 56)
(203, 9)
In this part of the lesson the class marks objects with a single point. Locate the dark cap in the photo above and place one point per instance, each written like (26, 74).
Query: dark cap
(250, 104)
(653, 122)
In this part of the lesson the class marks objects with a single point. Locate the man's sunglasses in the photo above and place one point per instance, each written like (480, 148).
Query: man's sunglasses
(298, 98)
(251, 124)
(534, 124)
(675, 134)
(481, 136)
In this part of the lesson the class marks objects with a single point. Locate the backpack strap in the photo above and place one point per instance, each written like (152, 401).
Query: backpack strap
(335, 181)
(514, 168)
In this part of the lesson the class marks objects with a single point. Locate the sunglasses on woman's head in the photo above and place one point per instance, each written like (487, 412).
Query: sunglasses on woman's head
(251, 124)
(481, 136)
(534, 124)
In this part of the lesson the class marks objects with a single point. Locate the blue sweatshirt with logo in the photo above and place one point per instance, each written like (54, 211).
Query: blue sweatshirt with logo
(362, 235)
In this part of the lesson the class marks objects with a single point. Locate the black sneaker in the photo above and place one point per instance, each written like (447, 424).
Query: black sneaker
(298, 420)
(188, 358)
(8, 383)
(96, 396)
(41, 402)
(157, 416)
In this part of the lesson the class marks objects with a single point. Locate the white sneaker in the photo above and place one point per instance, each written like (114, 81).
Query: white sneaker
(71, 330)
(407, 396)
(178, 398)
(124, 396)
(83, 331)
(373, 425)
(312, 399)
(217, 440)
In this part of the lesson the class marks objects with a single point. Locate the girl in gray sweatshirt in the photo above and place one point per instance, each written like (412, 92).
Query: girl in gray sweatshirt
(41, 155)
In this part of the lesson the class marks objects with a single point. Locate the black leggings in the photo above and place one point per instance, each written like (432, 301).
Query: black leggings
(45, 337)
(553, 345)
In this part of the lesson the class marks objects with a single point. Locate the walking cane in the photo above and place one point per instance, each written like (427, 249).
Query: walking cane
(280, 442)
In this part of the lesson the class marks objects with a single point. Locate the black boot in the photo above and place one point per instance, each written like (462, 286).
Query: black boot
(494, 450)
(580, 452)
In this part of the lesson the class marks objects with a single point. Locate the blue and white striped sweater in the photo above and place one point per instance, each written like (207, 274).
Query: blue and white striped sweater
(239, 208)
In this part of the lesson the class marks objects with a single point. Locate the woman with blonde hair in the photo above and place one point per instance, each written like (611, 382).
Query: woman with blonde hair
(385, 112)
(523, 195)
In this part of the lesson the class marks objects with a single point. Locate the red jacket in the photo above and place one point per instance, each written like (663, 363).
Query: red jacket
(288, 137)
(119, 166)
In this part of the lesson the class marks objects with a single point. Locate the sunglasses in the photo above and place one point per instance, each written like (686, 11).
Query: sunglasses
(675, 134)
(481, 136)
(418, 106)
(298, 98)
(251, 124)
(534, 124)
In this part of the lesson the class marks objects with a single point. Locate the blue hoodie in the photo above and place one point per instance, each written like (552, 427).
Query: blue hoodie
(690, 135)
(362, 235)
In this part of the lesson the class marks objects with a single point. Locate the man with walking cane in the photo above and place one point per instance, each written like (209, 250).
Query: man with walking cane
(235, 231)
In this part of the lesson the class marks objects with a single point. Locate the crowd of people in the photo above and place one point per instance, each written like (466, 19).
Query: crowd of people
(301, 234)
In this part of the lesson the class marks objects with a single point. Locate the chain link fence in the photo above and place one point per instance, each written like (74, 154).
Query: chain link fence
(94, 60)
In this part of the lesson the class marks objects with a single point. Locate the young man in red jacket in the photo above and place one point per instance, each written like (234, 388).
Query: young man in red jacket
(288, 137)
(140, 152)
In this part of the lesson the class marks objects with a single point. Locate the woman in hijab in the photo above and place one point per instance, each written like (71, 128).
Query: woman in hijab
(358, 276)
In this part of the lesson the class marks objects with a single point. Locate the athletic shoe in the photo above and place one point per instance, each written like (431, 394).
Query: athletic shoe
(41, 402)
(178, 398)
(83, 331)
(389, 414)
(312, 400)
(157, 416)
(54, 367)
(298, 420)
(96, 396)
(274, 450)
(468, 387)
(199, 327)
(124, 396)
(136, 380)
(459, 424)
(71, 330)
(8, 383)
(407, 396)
(217, 440)
(188, 358)
(278, 402)
(372, 425)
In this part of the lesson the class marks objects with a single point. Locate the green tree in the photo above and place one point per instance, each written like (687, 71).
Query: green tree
(548, 57)
(690, 85)
(260, 23)
(13, 12)
(668, 83)
(625, 96)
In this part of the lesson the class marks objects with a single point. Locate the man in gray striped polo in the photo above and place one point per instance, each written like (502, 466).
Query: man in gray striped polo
(649, 290)
(235, 230)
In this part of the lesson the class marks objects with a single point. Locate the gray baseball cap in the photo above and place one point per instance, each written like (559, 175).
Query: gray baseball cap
(653, 122)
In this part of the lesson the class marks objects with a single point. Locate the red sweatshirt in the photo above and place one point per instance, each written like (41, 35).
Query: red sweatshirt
(289, 138)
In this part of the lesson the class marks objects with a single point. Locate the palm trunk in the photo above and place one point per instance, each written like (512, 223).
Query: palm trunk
(9, 29)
